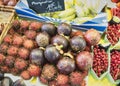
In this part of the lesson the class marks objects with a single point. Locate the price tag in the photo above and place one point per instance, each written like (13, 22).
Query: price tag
(45, 6)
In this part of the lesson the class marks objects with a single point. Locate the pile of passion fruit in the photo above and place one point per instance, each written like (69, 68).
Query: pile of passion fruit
(57, 55)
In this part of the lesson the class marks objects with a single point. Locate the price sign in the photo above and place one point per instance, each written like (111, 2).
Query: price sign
(44, 6)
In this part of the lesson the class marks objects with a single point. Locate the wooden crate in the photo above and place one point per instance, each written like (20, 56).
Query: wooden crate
(6, 10)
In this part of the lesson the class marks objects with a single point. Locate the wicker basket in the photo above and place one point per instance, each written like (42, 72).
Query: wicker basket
(7, 24)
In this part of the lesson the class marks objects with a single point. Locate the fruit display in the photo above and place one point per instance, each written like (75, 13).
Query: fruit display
(92, 37)
(113, 36)
(52, 53)
(17, 47)
(61, 51)
(47, 74)
(113, 33)
(77, 43)
(100, 61)
(115, 63)
(84, 60)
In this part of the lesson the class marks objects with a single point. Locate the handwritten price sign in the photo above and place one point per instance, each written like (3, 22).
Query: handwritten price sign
(44, 6)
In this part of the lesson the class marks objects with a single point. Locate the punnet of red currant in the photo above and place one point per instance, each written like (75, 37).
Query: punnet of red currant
(100, 60)
(114, 70)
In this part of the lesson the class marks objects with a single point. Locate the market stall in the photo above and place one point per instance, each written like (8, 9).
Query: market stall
(59, 43)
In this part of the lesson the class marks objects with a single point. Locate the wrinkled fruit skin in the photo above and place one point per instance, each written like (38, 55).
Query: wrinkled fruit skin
(52, 83)
(49, 28)
(17, 40)
(49, 72)
(35, 26)
(30, 34)
(66, 65)
(37, 57)
(20, 64)
(25, 75)
(3, 48)
(62, 79)
(84, 60)
(64, 29)
(8, 39)
(24, 25)
(77, 43)
(12, 50)
(23, 53)
(28, 44)
(92, 36)
(43, 80)
(16, 24)
(76, 78)
(52, 54)
(34, 70)
(60, 40)
(5, 69)
(42, 39)
(9, 61)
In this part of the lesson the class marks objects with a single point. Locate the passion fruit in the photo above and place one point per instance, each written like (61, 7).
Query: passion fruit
(66, 65)
(49, 28)
(92, 37)
(60, 40)
(64, 29)
(84, 60)
(37, 57)
(52, 54)
(77, 43)
(42, 39)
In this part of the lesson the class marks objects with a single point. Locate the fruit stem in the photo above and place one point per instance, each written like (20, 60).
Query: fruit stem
(67, 37)
(59, 48)
(68, 54)
(42, 48)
